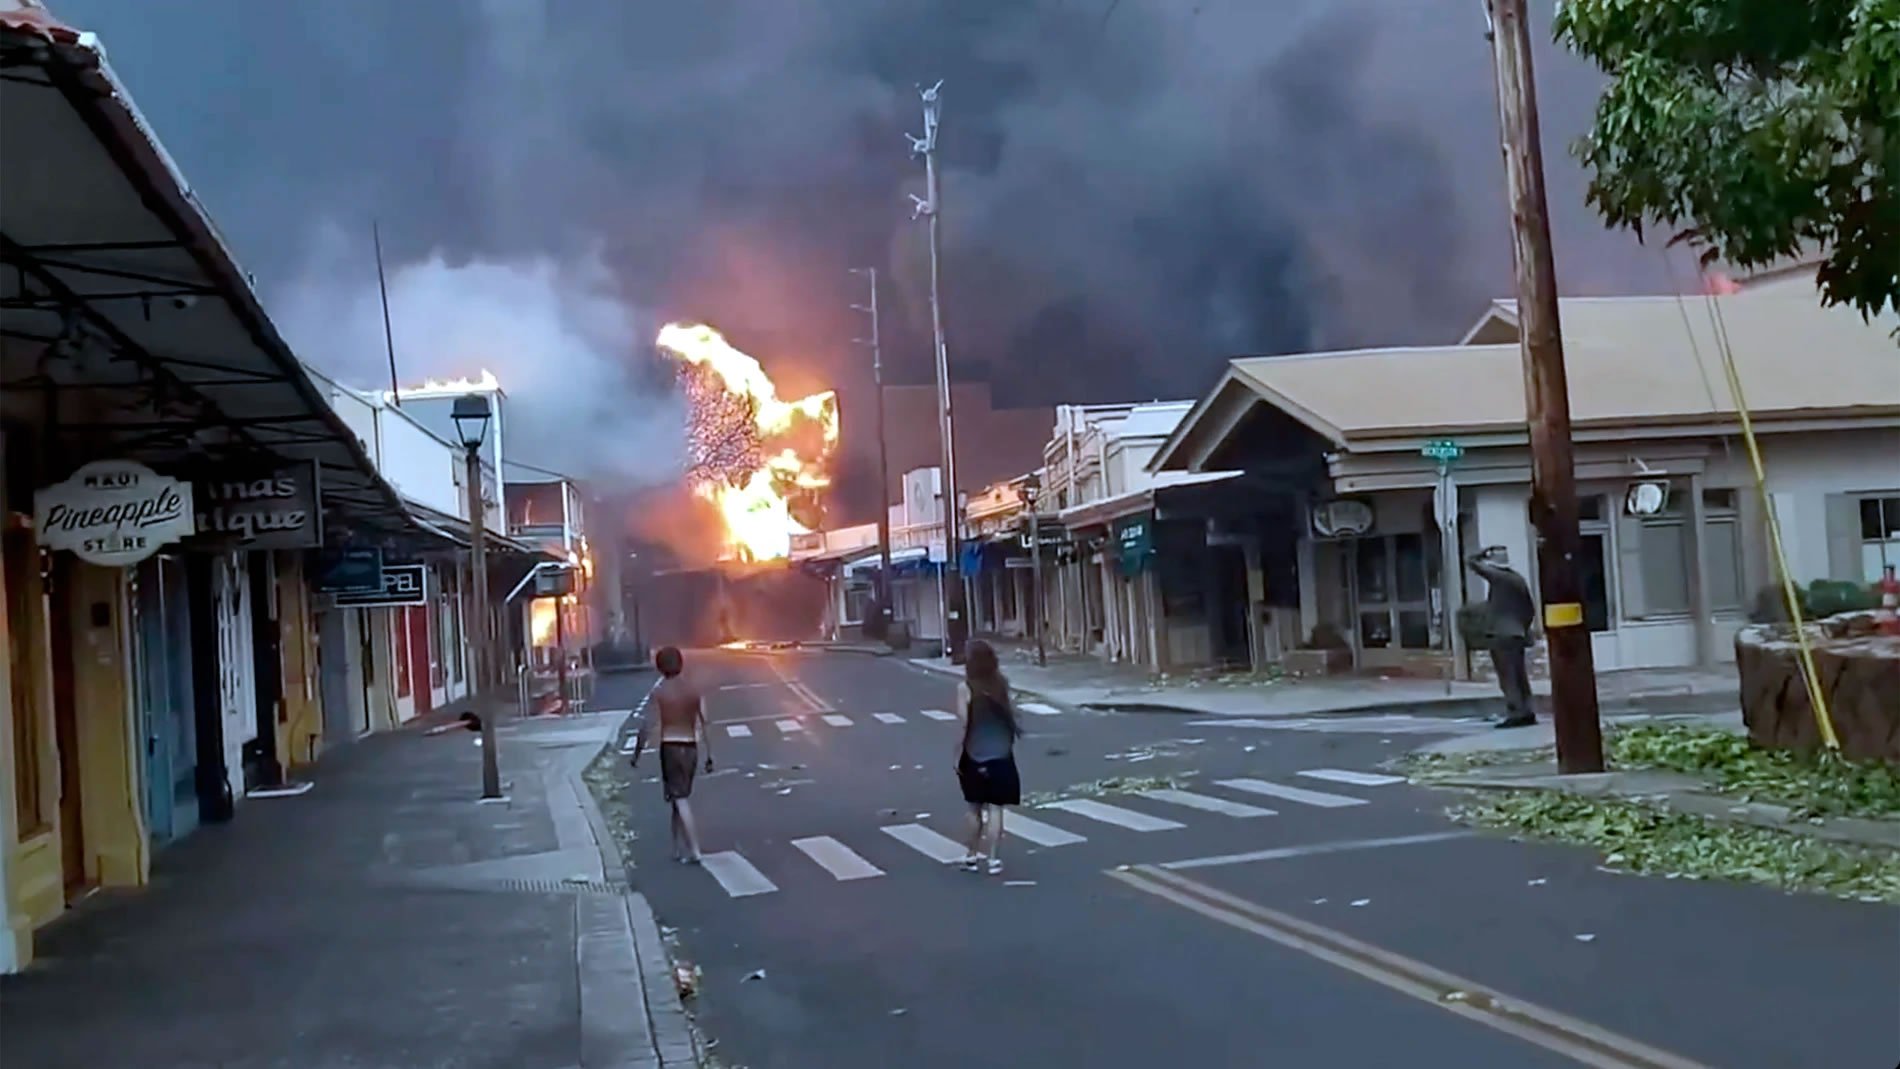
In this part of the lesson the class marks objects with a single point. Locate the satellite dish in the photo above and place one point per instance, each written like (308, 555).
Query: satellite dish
(1647, 499)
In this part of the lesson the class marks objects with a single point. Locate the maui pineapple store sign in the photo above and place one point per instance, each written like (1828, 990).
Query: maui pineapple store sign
(114, 513)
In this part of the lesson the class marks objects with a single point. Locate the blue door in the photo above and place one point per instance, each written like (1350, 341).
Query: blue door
(169, 744)
(150, 649)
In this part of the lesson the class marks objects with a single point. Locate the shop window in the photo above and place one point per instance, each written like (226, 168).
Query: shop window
(857, 603)
(1666, 558)
(1879, 536)
(20, 559)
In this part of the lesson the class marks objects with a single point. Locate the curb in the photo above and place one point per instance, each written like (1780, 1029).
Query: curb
(951, 672)
(622, 948)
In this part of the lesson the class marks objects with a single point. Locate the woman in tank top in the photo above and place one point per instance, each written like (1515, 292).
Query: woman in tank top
(986, 755)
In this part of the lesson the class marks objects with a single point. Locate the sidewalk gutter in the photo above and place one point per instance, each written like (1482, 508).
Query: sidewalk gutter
(623, 962)
(1451, 707)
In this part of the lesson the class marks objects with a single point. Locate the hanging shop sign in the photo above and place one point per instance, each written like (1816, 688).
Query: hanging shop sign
(113, 512)
(350, 571)
(248, 508)
(403, 584)
(1134, 543)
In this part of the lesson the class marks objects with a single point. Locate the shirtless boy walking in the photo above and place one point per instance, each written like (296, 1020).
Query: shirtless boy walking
(682, 722)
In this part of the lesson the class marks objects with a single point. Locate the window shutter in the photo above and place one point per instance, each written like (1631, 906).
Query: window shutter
(1843, 539)
(1629, 566)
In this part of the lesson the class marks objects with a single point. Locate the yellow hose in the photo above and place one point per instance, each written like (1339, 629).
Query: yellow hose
(1823, 721)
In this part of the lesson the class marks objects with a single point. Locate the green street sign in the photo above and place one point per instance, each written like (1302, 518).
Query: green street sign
(1443, 450)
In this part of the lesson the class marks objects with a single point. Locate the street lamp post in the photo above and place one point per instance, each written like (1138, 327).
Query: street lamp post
(471, 415)
(1031, 494)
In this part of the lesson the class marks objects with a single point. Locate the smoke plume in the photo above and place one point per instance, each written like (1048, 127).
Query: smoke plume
(1130, 197)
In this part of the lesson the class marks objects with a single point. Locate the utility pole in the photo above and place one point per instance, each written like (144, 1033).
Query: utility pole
(883, 458)
(389, 335)
(1546, 400)
(928, 208)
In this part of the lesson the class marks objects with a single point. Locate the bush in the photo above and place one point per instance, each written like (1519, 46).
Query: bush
(1822, 597)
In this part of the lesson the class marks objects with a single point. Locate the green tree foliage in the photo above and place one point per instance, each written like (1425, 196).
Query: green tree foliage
(1753, 129)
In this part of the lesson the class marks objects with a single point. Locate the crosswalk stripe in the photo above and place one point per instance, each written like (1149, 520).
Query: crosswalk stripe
(938, 714)
(1037, 832)
(1113, 814)
(738, 731)
(1357, 779)
(837, 858)
(1223, 806)
(926, 842)
(838, 720)
(789, 726)
(736, 875)
(1291, 794)
(889, 718)
(1039, 708)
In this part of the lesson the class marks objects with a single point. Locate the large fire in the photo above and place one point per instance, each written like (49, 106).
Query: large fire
(758, 459)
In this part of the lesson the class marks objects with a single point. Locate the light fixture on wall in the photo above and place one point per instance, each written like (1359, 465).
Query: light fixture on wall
(1647, 498)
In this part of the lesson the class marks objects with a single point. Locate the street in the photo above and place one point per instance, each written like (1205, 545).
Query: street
(1250, 895)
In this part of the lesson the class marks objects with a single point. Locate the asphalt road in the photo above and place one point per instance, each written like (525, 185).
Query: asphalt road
(1296, 906)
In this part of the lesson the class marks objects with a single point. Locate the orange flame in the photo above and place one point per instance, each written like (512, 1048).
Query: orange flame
(755, 502)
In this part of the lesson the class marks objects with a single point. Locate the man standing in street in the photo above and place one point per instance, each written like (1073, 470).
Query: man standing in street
(682, 717)
(1510, 613)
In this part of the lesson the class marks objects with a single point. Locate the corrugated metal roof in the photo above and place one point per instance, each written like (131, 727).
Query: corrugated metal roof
(1629, 360)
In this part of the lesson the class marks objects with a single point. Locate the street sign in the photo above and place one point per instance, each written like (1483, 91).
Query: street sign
(403, 584)
(1443, 450)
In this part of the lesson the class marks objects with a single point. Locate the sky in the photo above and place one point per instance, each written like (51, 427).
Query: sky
(1133, 192)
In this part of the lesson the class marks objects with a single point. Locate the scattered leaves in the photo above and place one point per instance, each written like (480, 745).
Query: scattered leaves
(1650, 840)
(1814, 784)
(1110, 785)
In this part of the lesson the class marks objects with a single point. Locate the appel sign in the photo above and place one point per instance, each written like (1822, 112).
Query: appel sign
(113, 512)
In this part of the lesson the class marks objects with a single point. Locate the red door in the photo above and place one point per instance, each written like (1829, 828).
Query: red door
(418, 658)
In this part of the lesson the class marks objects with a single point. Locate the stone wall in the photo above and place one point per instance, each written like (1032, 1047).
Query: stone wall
(1859, 672)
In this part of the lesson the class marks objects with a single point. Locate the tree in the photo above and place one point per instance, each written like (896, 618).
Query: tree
(1755, 129)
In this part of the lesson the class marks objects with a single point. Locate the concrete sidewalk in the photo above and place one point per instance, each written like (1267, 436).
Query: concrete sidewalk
(382, 919)
(1088, 683)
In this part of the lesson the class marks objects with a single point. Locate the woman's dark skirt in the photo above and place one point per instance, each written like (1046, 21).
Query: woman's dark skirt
(990, 782)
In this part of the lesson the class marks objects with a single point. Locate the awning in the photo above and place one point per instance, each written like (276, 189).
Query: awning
(909, 560)
(1107, 510)
(124, 312)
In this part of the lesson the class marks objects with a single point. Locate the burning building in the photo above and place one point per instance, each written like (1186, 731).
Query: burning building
(761, 461)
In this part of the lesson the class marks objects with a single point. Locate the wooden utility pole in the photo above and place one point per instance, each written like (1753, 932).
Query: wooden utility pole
(883, 459)
(1546, 400)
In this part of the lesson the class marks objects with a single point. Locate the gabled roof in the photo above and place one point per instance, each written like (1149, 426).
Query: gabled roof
(1631, 362)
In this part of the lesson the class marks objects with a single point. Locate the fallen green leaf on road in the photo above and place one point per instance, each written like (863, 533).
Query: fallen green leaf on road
(1110, 785)
(1653, 841)
(1814, 784)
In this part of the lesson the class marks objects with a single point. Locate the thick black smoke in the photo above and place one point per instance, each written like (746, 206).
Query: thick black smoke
(1128, 200)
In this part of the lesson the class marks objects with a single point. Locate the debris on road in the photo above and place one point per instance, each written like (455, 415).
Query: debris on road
(899, 1012)
(1538, 882)
(756, 974)
(1361, 902)
(1586, 937)
(686, 979)
(1019, 883)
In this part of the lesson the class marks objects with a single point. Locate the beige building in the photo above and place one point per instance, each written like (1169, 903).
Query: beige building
(1378, 558)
